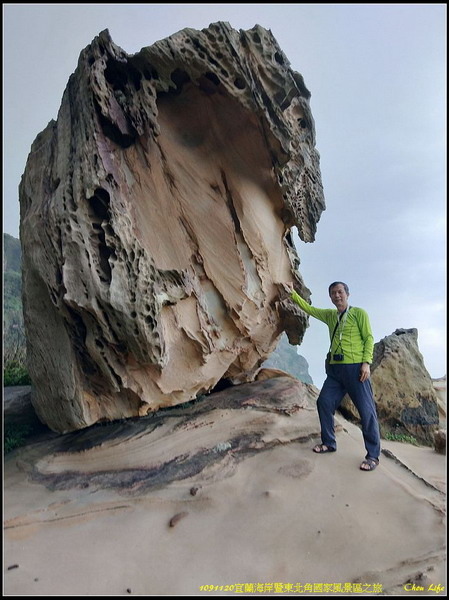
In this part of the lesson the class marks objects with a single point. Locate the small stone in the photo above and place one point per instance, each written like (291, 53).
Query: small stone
(174, 520)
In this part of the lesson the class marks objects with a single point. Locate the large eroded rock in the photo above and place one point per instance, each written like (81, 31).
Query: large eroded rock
(405, 396)
(155, 222)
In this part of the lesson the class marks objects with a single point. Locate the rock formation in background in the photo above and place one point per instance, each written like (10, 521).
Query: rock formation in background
(403, 389)
(156, 217)
(440, 387)
(286, 358)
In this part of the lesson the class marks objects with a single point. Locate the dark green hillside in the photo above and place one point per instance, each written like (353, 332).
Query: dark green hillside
(12, 284)
(14, 348)
(12, 254)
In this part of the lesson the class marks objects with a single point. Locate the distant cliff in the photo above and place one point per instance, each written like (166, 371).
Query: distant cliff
(286, 358)
(12, 254)
(12, 286)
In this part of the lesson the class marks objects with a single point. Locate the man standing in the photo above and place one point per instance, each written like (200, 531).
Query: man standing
(347, 369)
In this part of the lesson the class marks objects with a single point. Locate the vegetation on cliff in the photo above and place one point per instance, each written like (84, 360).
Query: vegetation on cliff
(14, 348)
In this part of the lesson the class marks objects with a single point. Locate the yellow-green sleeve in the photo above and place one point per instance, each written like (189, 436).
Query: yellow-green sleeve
(323, 314)
(367, 336)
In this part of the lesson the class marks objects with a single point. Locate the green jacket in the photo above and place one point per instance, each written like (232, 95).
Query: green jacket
(353, 337)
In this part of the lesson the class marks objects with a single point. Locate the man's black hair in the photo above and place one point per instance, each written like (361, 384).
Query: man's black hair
(337, 283)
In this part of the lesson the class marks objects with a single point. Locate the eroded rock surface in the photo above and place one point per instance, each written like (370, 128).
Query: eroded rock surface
(191, 494)
(157, 450)
(155, 220)
(405, 396)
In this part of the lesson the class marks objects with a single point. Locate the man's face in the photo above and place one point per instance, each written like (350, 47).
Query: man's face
(339, 297)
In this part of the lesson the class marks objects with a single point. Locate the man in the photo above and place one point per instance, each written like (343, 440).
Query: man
(347, 369)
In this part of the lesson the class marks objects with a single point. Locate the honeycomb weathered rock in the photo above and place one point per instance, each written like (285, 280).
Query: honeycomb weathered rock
(156, 217)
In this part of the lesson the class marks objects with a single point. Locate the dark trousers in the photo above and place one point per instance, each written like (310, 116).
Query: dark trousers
(341, 380)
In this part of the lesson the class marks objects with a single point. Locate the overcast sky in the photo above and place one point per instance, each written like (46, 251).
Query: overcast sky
(377, 75)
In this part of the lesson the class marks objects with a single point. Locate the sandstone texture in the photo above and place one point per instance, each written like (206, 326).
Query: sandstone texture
(228, 426)
(156, 217)
(440, 387)
(440, 441)
(222, 491)
(405, 396)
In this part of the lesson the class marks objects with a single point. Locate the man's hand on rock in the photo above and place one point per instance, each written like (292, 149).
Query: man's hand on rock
(285, 290)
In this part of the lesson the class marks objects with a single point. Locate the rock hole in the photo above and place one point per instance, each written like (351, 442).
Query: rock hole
(100, 205)
(179, 78)
(104, 253)
(212, 77)
(279, 58)
(115, 74)
(118, 74)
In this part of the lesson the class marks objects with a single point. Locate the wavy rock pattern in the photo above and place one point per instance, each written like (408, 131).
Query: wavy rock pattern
(188, 496)
(134, 457)
(156, 217)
